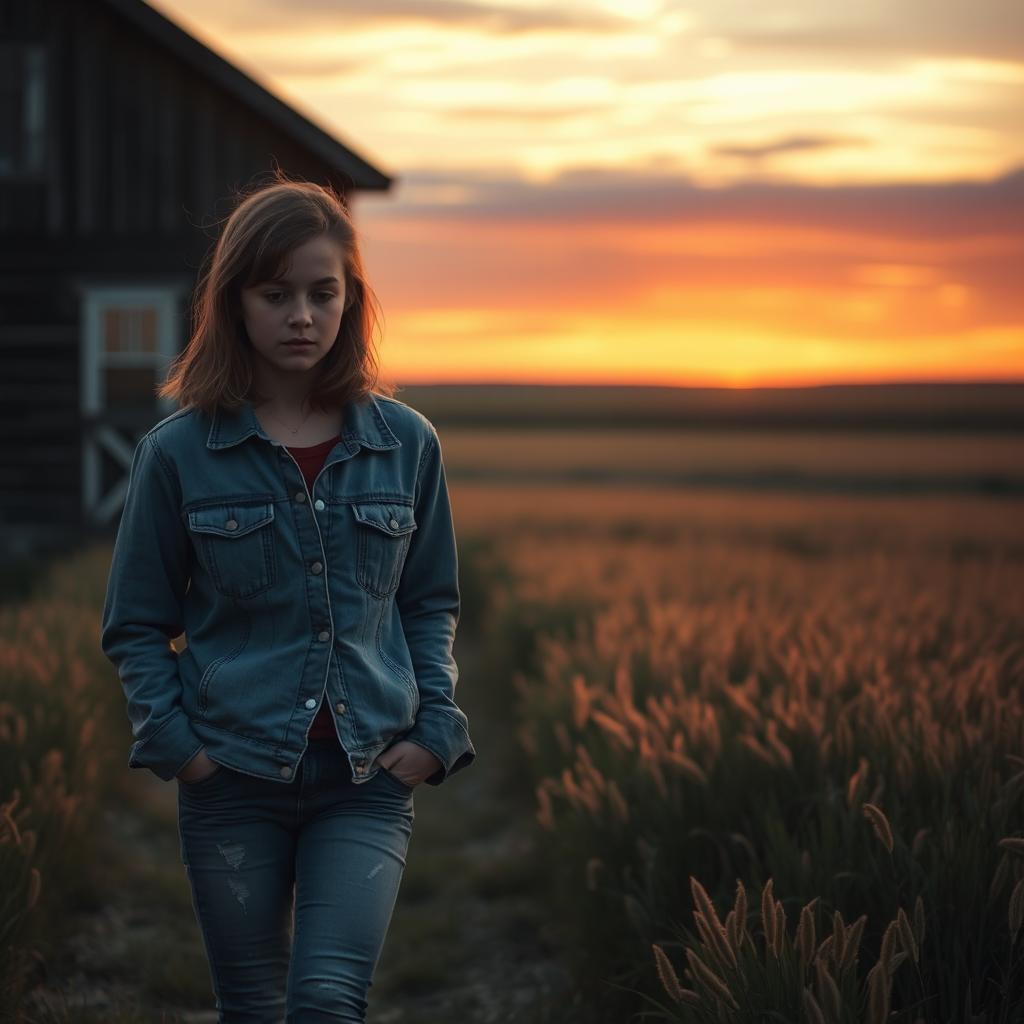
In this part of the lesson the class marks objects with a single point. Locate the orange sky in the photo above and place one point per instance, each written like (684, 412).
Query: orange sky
(666, 192)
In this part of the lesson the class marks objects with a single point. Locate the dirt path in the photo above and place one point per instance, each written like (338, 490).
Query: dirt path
(468, 940)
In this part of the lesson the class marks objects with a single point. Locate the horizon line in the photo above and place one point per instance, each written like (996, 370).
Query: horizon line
(910, 382)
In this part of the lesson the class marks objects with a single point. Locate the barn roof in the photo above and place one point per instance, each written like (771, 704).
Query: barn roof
(361, 174)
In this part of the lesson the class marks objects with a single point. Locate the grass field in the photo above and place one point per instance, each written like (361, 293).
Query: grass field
(900, 456)
(757, 749)
(799, 522)
(768, 460)
(946, 406)
(777, 743)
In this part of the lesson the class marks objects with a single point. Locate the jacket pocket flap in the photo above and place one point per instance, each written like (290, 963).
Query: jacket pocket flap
(395, 520)
(231, 520)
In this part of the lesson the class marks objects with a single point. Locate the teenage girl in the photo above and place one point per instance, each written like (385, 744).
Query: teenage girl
(292, 520)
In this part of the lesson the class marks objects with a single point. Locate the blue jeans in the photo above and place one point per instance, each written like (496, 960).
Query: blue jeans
(294, 884)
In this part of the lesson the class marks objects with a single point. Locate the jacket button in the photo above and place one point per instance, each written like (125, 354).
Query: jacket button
(393, 524)
(231, 524)
(286, 771)
(340, 707)
(323, 636)
(300, 496)
(311, 703)
(317, 568)
(319, 505)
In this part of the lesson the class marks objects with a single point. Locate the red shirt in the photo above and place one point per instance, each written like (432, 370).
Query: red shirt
(311, 460)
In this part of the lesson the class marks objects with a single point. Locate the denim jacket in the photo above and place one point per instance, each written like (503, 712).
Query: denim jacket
(287, 596)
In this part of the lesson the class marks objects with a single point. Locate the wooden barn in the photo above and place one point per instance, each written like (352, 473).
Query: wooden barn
(122, 138)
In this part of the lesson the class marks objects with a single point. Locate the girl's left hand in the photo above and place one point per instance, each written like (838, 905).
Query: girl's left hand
(409, 761)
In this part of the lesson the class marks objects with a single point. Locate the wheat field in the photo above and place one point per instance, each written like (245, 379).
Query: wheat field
(777, 744)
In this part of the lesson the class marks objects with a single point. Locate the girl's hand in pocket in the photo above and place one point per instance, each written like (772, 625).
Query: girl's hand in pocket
(409, 761)
(198, 768)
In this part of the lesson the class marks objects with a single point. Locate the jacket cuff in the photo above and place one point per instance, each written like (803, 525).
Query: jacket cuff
(164, 753)
(447, 739)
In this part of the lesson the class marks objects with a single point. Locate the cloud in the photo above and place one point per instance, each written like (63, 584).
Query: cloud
(878, 43)
(988, 29)
(584, 195)
(768, 277)
(537, 114)
(315, 67)
(490, 18)
(789, 144)
(602, 241)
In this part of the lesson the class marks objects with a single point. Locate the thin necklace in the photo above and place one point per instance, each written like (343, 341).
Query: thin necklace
(294, 430)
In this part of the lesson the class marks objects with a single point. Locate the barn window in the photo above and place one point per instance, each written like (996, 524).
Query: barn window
(130, 336)
(129, 330)
(22, 109)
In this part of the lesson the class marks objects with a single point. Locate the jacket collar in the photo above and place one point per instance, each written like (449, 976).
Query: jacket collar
(364, 424)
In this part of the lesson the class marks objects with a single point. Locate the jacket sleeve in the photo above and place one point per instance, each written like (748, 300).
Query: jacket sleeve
(428, 603)
(142, 613)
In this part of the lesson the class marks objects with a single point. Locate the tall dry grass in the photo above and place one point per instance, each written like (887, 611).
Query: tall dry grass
(839, 722)
(61, 744)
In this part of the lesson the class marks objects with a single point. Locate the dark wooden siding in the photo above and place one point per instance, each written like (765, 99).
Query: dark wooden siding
(40, 463)
(140, 148)
(142, 156)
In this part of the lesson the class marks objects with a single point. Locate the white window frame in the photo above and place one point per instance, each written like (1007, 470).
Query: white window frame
(96, 300)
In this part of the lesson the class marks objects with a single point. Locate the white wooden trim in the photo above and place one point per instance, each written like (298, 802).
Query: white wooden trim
(105, 508)
(165, 299)
(101, 508)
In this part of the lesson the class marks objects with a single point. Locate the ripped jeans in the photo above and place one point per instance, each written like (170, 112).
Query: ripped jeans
(294, 884)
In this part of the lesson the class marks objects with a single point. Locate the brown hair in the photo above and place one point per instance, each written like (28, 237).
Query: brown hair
(269, 221)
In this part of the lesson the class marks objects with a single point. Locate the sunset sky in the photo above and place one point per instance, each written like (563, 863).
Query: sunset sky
(650, 191)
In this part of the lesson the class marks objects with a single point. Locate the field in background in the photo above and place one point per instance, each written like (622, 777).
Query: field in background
(765, 673)
(770, 459)
(802, 708)
(776, 654)
(988, 407)
(804, 522)
(868, 439)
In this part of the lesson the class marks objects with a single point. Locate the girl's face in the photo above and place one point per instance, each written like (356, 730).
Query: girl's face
(306, 303)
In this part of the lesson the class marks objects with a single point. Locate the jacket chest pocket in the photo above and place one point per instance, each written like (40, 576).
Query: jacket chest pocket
(384, 532)
(235, 541)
